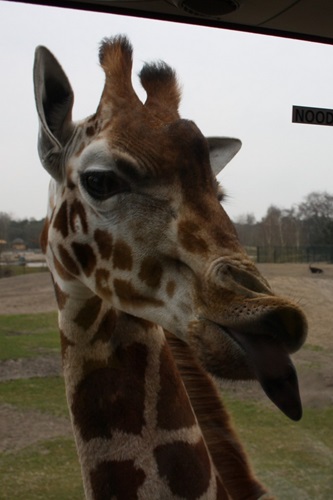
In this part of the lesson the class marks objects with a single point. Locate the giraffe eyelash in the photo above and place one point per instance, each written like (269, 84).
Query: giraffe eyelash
(220, 192)
(103, 184)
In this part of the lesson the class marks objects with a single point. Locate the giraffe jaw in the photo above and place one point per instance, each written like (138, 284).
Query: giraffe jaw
(274, 370)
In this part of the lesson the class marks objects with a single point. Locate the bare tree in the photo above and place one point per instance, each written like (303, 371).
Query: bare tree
(316, 214)
(5, 220)
(272, 227)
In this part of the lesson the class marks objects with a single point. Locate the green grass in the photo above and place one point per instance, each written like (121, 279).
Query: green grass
(47, 470)
(28, 335)
(15, 270)
(294, 459)
(43, 394)
(313, 347)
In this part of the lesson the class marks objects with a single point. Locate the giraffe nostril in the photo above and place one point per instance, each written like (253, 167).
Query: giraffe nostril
(240, 279)
(289, 324)
(223, 270)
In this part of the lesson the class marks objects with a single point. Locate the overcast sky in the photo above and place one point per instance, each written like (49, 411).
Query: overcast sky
(234, 84)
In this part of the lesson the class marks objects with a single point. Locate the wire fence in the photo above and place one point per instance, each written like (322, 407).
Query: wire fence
(309, 254)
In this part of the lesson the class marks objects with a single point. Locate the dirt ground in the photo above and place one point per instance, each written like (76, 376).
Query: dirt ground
(313, 292)
(27, 294)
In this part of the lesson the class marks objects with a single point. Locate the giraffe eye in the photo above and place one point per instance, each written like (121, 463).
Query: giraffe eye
(102, 184)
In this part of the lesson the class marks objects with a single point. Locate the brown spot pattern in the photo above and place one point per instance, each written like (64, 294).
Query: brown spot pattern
(60, 221)
(61, 296)
(105, 328)
(90, 131)
(89, 312)
(104, 243)
(224, 446)
(171, 287)
(188, 238)
(68, 261)
(185, 467)
(61, 270)
(226, 236)
(127, 293)
(122, 256)
(106, 399)
(221, 493)
(102, 283)
(70, 184)
(80, 149)
(86, 257)
(151, 272)
(195, 173)
(65, 344)
(77, 210)
(43, 240)
(173, 408)
(116, 480)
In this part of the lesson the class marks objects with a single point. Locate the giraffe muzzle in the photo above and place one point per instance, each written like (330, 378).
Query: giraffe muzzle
(258, 327)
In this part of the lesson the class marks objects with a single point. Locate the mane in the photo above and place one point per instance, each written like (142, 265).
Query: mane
(227, 453)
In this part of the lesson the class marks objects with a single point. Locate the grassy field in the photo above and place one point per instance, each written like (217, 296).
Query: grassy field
(47, 470)
(45, 394)
(294, 459)
(27, 335)
(15, 270)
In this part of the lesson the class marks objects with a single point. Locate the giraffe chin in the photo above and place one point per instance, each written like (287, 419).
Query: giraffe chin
(274, 370)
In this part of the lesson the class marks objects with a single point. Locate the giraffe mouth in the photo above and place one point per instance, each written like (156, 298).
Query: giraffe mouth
(275, 371)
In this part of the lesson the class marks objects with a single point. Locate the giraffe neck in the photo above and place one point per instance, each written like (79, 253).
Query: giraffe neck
(135, 430)
(223, 443)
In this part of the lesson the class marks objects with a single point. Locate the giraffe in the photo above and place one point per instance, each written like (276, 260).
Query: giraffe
(155, 294)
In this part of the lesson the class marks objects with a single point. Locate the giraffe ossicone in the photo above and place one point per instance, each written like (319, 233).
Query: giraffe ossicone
(154, 290)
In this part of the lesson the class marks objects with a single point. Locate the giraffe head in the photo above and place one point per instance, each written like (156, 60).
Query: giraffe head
(135, 218)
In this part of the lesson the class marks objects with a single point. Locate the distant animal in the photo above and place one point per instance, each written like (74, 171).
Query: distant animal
(315, 270)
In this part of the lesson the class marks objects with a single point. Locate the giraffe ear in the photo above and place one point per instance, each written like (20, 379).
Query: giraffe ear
(221, 151)
(54, 101)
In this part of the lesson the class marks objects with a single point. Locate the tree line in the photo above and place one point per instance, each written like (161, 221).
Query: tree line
(306, 224)
(309, 223)
(27, 230)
